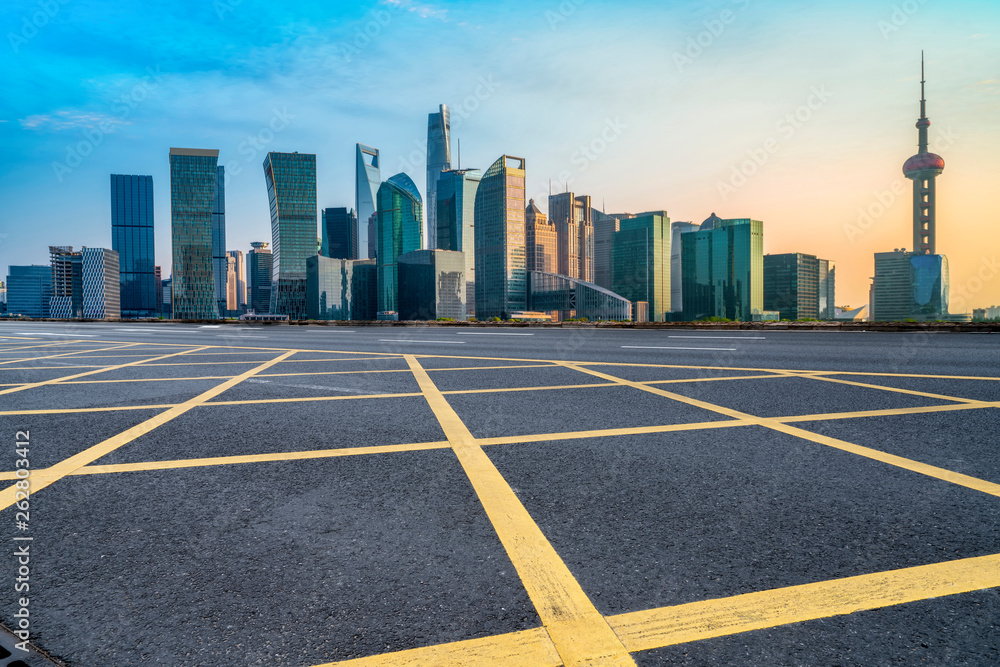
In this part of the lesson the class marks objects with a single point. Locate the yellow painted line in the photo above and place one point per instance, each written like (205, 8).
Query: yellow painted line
(513, 389)
(205, 377)
(346, 397)
(72, 411)
(43, 478)
(609, 432)
(774, 424)
(49, 368)
(987, 378)
(898, 390)
(32, 347)
(118, 346)
(54, 381)
(719, 379)
(580, 634)
(697, 621)
(530, 648)
(832, 416)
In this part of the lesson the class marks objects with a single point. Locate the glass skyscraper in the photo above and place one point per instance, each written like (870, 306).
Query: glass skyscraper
(791, 285)
(438, 160)
(573, 220)
(220, 261)
(604, 227)
(400, 230)
(501, 275)
(194, 174)
(640, 262)
(456, 219)
(132, 239)
(341, 289)
(67, 282)
(431, 285)
(101, 285)
(367, 180)
(339, 233)
(676, 262)
(259, 265)
(827, 289)
(29, 290)
(723, 269)
(291, 192)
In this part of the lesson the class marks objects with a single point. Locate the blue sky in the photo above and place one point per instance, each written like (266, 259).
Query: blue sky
(642, 105)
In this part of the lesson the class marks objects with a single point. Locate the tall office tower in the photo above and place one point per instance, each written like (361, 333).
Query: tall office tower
(604, 227)
(238, 287)
(827, 289)
(501, 275)
(791, 285)
(101, 284)
(132, 239)
(3, 298)
(438, 160)
(367, 180)
(67, 282)
(923, 169)
(574, 225)
(723, 269)
(456, 220)
(158, 272)
(259, 265)
(400, 230)
(166, 307)
(29, 290)
(640, 262)
(372, 236)
(230, 286)
(431, 285)
(291, 191)
(540, 240)
(341, 289)
(220, 263)
(676, 282)
(339, 231)
(194, 174)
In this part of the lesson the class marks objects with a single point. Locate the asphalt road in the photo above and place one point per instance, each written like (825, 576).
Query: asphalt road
(300, 496)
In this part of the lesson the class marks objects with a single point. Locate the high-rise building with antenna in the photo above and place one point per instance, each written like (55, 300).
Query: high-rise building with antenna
(438, 160)
(923, 169)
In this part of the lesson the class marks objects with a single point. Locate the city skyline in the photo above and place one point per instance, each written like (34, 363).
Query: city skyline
(810, 178)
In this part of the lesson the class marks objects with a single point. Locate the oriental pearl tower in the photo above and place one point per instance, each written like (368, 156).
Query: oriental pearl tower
(923, 168)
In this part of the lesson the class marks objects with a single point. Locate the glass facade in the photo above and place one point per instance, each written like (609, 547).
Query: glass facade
(236, 284)
(367, 180)
(676, 280)
(400, 230)
(604, 227)
(291, 192)
(67, 283)
(640, 262)
(339, 232)
(432, 285)
(456, 219)
(573, 220)
(341, 289)
(892, 287)
(791, 285)
(29, 290)
(194, 174)
(132, 239)
(101, 284)
(930, 286)
(259, 266)
(552, 292)
(501, 274)
(723, 270)
(438, 160)
(220, 261)
(827, 289)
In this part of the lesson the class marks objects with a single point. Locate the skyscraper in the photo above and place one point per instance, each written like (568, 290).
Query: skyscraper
(431, 285)
(438, 160)
(791, 285)
(194, 174)
(827, 289)
(67, 282)
(501, 275)
(220, 262)
(923, 169)
(400, 230)
(676, 262)
(640, 262)
(574, 225)
(723, 269)
(132, 239)
(259, 265)
(604, 227)
(367, 180)
(339, 232)
(541, 246)
(456, 219)
(101, 285)
(236, 284)
(291, 191)
(29, 290)
(341, 289)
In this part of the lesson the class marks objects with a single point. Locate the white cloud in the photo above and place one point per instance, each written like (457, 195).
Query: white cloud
(423, 11)
(71, 120)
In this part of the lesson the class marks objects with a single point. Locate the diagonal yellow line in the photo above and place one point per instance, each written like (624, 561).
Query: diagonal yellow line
(118, 346)
(774, 424)
(898, 390)
(580, 634)
(34, 347)
(43, 478)
(104, 369)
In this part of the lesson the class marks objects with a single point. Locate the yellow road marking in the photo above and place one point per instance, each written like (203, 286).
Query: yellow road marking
(774, 424)
(899, 390)
(43, 478)
(696, 621)
(32, 347)
(44, 383)
(530, 648)
(579, 632)
(118, 346)
(891, 412)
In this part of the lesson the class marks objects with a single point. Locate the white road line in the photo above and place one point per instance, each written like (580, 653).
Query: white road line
(439, 342)
(489, 333)
(210, 326)
(40, 333)
(715, 349)
(723, 337)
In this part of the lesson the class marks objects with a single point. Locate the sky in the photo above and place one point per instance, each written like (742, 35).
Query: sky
(799, 114)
